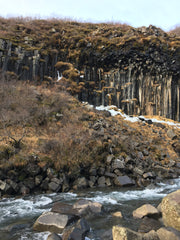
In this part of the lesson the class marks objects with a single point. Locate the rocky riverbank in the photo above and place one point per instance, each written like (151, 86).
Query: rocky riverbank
(71, 221)
(115, 171)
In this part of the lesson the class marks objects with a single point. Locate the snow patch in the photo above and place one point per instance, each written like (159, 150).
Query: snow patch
(115, 111)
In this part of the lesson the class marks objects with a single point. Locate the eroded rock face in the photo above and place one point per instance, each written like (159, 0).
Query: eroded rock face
(140, 77)
(170, 207)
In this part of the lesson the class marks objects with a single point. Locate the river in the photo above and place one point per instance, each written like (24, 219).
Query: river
(17, 215)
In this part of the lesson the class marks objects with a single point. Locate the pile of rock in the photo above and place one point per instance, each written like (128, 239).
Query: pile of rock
(152, 226)
(68, 220)
(120, 171)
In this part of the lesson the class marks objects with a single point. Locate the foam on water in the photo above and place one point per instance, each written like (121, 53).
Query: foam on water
(118, 197)
(17, 208)
(34, 236)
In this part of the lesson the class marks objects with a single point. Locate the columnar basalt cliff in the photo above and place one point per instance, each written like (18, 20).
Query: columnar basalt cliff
(138, 70)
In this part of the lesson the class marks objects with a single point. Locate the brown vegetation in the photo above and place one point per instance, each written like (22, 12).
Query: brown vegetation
(68, 38)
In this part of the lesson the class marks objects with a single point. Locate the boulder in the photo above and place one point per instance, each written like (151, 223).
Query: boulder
(117, 214)
(171, 134)
(170, 207)
(107, 235)
(64, 208)
(77, 231)
(152, 235)
(5, 187)
(101, 181)
(87, 207)
(138, 171)
(168, 234)
(147, 224)
(123, 181)
(54, 236)
(146, 210)
(118, 164)
(80, 183)
(125, 234)
(149, 175)
(109, 159)
(54, 187)
(52, 222)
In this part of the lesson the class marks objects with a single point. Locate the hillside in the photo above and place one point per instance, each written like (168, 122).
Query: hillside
(52, 142)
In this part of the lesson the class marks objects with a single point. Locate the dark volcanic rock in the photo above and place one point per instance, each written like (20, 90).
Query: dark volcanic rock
(123, 181)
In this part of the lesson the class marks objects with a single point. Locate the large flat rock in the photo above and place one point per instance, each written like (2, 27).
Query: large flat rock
(123, 181)
(52, 222)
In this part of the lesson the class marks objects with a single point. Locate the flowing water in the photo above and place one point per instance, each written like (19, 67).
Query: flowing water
(18, 215)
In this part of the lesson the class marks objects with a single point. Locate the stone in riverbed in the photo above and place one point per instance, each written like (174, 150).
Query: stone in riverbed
(147, 224)
(117, 214)
(146, 210)
(123, 181)
(125, 234)
(52, 222)
(170, 207)
(87, 207)
(64, 208)
(54, 236)
(77, 231)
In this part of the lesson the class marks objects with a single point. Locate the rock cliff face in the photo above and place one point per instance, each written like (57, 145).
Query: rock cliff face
(139, 72)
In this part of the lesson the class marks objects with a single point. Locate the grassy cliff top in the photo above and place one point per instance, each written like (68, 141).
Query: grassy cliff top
(70, 37)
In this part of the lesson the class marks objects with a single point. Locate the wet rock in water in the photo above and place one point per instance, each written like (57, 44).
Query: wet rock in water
(146, 210)
(53, 222)
(77, 231)
(147, 224)
(168, 234)
(85, 207)
(125, 234)
(152, 235)
(117, 214)
(107, 235)
(170, 207)
(124, 181)
(64, 208)
(54, 236)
